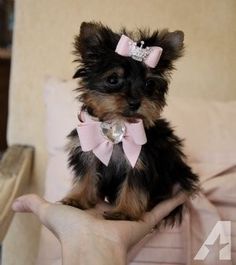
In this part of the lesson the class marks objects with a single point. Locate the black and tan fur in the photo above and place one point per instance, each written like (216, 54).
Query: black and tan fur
(113, 86)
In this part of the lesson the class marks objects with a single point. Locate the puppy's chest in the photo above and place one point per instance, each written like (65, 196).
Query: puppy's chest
(120, 164)
(118, 158)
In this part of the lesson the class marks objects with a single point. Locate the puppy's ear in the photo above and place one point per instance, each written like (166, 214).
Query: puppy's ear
(87, 46)
(172, 44)
(88, 39)
(93, 41)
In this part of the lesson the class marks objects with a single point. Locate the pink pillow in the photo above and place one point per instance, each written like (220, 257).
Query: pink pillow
(61, 111)
(209, 131)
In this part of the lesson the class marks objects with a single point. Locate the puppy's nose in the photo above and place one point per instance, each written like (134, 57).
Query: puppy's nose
(134, 104)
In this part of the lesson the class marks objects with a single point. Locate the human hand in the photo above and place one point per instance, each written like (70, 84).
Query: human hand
(85, 237)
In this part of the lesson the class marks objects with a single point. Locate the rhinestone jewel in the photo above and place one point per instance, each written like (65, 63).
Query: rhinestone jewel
(113, 130)
(139, 53)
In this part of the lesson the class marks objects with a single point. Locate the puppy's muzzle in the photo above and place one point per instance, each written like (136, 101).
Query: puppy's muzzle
(134, 104)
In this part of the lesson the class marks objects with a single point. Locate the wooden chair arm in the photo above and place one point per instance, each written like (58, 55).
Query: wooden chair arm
(15, 169)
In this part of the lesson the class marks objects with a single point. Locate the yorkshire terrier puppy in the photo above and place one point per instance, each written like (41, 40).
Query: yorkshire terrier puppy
(122, 150)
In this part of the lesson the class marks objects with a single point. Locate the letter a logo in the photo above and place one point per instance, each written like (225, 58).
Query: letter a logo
(222, 229)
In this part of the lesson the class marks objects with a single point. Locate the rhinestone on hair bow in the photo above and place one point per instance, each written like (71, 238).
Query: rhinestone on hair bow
(149, 55)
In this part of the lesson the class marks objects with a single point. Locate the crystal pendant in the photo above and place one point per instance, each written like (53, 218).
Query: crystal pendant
(113, 130)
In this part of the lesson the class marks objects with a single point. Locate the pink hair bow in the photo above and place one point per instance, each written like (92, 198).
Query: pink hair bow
(149, 55)
(94, 136)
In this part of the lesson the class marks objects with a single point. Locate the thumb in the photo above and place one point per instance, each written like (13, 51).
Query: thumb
(163, 209)
(32, 203)
(54, 216)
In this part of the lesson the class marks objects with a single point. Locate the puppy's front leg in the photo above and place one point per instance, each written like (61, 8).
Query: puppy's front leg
(84, 193)
(132, 199)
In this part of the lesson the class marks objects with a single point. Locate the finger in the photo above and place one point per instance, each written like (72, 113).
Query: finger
(28, 203)
(47, 213)
(54, 216)
(160, 211)
(32, 203)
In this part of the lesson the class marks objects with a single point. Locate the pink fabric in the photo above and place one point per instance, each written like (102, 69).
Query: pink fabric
(91, 139)
(124, 48)
(217, 202)
(210, 144)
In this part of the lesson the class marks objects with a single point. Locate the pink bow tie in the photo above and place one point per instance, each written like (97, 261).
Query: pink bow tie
(95, 136)
(149, 55)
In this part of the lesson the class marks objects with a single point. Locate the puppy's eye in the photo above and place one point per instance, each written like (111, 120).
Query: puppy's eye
(150, 84)
(150, 87)
(112, 79)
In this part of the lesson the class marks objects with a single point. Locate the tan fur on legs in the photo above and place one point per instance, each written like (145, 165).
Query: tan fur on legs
(83, 194)
(131, 203)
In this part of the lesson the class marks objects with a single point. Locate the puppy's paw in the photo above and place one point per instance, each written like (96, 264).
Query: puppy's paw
(116, 215)
(74, 203)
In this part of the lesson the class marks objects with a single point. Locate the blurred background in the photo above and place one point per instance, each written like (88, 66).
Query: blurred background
(6, 28)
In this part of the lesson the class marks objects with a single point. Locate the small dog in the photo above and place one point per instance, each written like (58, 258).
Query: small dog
(122, 151)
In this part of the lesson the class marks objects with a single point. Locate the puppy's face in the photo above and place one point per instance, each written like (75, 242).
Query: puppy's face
(114, 86)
